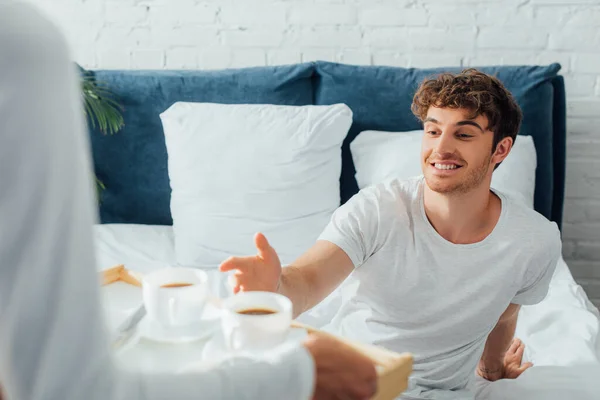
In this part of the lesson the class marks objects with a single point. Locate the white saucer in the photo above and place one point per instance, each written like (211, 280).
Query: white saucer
(215, 347)
(210, 322)
(149, 329)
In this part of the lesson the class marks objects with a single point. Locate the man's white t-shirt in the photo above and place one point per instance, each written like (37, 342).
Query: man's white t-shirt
(420, 293)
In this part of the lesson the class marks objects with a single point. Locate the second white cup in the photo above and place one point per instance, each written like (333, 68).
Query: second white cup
(256, 320)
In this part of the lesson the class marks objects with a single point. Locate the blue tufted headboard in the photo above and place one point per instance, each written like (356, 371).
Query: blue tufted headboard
(133, 163)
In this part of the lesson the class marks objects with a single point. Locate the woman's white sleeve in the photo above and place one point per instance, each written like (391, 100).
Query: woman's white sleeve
(53, 339)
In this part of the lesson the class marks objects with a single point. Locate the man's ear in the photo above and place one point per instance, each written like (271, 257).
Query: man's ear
(502, 150)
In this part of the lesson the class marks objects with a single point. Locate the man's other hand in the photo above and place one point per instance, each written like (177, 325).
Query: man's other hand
(512, 367)
(513, 359)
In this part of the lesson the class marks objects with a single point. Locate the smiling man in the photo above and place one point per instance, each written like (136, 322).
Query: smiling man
(443, 261)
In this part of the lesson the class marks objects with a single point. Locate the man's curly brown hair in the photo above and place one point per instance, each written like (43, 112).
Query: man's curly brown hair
(475, 91)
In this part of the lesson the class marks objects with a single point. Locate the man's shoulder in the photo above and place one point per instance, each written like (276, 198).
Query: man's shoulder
(536, 247)
(530, 227)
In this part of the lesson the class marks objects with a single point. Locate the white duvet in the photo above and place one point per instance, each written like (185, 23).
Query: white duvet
(562, 333)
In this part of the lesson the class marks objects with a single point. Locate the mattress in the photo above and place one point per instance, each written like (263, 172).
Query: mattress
(562, 333)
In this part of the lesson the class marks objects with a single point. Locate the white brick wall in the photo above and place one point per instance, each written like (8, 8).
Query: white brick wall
(421, 33)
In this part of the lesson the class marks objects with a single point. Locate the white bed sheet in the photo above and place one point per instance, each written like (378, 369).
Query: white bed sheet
(562, 333)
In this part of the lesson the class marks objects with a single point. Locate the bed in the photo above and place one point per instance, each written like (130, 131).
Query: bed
(562, 333)
(144, 211)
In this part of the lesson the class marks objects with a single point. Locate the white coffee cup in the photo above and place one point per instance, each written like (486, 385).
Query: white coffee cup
(256, 332)
(175, 306)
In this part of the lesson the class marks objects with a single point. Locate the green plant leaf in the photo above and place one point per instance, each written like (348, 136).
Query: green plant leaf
(101, 108)
(102, 111)
(88, 111)
(100, 187)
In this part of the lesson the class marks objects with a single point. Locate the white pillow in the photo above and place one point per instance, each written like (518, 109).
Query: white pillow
(379, 156)
(239, 169)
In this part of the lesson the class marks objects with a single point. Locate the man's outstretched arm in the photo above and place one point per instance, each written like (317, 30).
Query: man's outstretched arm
(346, 243)
(306, 282)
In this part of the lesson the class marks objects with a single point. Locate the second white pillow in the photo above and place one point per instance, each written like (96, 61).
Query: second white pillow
(379, 156)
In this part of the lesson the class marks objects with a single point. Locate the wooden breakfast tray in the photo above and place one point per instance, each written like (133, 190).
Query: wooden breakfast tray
(393, 368)
(120, 273)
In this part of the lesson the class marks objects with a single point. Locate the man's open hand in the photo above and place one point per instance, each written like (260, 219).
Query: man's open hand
(259, 272)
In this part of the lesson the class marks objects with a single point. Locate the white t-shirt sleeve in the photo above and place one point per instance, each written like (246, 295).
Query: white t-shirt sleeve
(538, 275)
(354, 226)
(54, 342)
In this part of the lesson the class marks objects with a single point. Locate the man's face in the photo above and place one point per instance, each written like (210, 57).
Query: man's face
(456, 154)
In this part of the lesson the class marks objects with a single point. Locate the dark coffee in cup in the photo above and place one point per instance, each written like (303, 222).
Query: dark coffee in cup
(256, 311)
